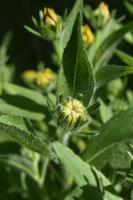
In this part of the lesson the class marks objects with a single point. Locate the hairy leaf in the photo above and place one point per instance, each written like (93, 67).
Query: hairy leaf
(68, 27)
(15, 127)
(20, 101)
(76, 76)
(82, 173)
(12, 89)
(8, 109)
(118, 130)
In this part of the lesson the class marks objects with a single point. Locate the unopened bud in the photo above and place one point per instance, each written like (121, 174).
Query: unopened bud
(103, 11)
(72, 114)
(44, 77)
(29, 75)
(50, 17)
(87, 35)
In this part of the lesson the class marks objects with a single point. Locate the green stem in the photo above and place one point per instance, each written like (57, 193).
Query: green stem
(36, 168)
(66, 138)
(43, 172)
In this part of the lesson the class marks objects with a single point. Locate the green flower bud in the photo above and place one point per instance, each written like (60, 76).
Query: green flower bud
(72, 114)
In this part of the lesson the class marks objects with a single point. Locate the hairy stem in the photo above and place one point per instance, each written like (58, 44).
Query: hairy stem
(66, 138)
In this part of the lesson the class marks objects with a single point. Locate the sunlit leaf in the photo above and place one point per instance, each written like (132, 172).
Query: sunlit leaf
(116, 131)
(16, 128)
(83, 174)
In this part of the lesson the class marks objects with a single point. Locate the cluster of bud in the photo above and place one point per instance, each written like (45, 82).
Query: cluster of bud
(41, 78)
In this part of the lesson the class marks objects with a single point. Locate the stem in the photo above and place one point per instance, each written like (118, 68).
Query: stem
(43, 172)
(36, 169)
(66, 138)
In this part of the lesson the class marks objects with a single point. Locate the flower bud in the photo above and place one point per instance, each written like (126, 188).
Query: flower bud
(50, 17)
(41, 78)
(87, 35)
(29, 75)
(72, 114)
(44, 77)
(103, 11)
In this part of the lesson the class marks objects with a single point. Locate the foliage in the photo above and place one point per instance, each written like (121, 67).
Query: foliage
(68, 134)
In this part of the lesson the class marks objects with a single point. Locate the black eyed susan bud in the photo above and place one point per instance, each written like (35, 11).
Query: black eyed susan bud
(103, 11)
(42, 78)
(50, 17)
(72, 114)
(87, 35)
(45, 77)
(29, 75)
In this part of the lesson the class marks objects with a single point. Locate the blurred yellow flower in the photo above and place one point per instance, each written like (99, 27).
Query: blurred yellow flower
(44, 77)
(87, 35)
(29, 75)
(103, 10)
(41, 78)
(50, 17)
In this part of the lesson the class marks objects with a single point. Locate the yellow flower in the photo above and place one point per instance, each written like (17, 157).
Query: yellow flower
(41, 78)
(104, 11)
(29, 75)
(72, 113)
(44, 77)
(50, 17)
(87, 35)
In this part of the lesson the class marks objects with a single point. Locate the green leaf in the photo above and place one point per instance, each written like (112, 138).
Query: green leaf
(76, 76)
(119, 158)
(106, 49)
(110, 72)
(129, 7)
(18, 162)
(12, 89)
(129, 37)
(93, 108)
(116, 131)
(20, 101)
(86, 193)
(9, 109)
(4, 47)
(68, 26)
(100, 36)
(82, 173)
(7, 73)
(34, 32)
(126, 58)
(105, 111)
(74, 194)
(16, 128)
